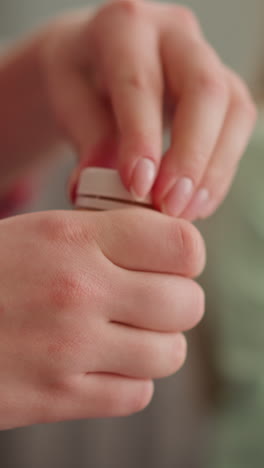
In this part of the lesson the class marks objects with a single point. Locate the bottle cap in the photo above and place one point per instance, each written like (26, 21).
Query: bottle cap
(103, 189)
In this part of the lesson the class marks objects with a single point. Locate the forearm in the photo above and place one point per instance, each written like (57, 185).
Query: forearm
(27, 126)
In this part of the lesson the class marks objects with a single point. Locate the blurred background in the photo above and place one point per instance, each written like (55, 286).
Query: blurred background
(211, 414)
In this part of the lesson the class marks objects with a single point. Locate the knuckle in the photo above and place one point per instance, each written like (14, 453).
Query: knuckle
(68, 291)
(63, 228)
(59, 386)
(129, 7)
(243, 102)
(212, 82)
(55, 226)
(189, 245)
(137, 80)
(186, 16)
(241, 98)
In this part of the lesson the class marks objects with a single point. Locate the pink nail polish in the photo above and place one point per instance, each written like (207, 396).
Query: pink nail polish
(143, 178)
(208, 209)
(178, 197)
(198, 204)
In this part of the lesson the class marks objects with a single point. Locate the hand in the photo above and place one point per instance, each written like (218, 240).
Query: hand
(110, 75)
(92, 307)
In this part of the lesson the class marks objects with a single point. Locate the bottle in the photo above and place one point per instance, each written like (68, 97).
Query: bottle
(101, 189)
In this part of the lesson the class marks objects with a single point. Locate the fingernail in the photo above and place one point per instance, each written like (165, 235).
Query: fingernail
(178, 197)
(198, 204)
(208, 209)
(143, 178)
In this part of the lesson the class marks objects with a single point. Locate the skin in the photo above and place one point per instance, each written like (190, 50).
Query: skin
(81, 333)
(99, 81)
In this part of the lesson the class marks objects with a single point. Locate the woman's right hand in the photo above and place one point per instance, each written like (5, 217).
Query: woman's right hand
(92, 306)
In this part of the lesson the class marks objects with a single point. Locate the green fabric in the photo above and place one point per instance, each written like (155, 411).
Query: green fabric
(234, 283)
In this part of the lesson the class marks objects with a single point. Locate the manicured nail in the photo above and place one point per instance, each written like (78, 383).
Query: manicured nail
(143, 178)
(178, 197)
(198, 204)
(208, 209)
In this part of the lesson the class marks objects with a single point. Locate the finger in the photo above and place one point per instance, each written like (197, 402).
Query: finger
(231, 146)
(131, 65)
(144, 240)
(148, 355)
(155, 302)
(201, 92)
(96, 396)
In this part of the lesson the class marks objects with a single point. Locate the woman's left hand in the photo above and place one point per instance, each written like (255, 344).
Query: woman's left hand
(111, 75)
